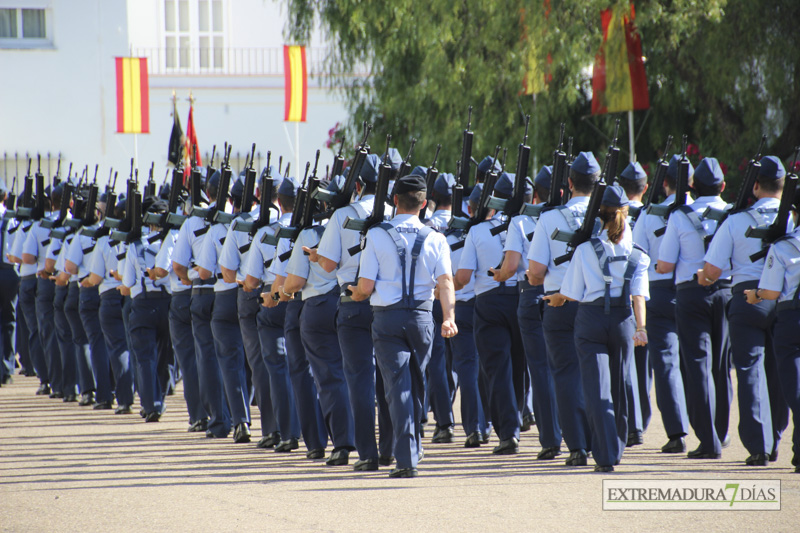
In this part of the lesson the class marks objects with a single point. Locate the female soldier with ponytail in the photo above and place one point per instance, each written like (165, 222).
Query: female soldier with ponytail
(608, 276)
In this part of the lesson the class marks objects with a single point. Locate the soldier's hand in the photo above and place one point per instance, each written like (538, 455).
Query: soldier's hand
(555, 300)
(356, 294)
(750, 294)
(267, 301)
(312, 254)
(702, 279)
(436, 292)
(151, 274)
(186, 281)
(640, 338)
(449, 329)
(86, 283)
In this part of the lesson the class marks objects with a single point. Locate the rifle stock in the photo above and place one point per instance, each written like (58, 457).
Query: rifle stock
(588, 227)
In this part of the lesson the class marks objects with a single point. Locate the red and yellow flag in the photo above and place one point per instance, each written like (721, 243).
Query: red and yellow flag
(133, 95)
(296, 83)
(619, 82)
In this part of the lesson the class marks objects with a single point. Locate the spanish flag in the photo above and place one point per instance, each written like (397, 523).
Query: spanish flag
(619, 82)
(296, 83)
(133, 95)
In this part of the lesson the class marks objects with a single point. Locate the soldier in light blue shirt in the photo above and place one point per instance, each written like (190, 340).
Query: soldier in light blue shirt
(9, 294)
(497, 334)
(318, 332)
(188, 245)
(664, 355)
(558, 322)
(607, 276)
(401, 265)
(353, 324)
(529, 313)
(69, 359)
(780, 280)
(763, 414)
(700, 314)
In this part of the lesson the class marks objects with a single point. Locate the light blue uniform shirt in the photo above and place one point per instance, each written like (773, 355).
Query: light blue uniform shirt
(35, 243)
(467, 292)
(278, 267)
(683, 246)
(482, 252)
(317, 280)
(440, 219)
(261, 255)
(141, 256)
(380, 262)
(584, 281)
(104, 260)
(164, 260)
(644, 236)
(8, 239)
(730, 248)
(517, 241)
(188, 245)
(75, 252)
(20, 236)
(336, 241)
(61, 256)
(230, 257)
(782, 268)
(545, 250)
(209, 254)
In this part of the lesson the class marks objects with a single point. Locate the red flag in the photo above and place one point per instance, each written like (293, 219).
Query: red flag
(191, 145)
(133, 95)
(619, 82)
(295, 83)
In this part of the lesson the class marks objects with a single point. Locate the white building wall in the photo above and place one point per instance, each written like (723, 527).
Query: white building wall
(64, 99)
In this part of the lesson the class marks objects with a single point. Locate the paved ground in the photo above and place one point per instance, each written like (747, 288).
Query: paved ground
(68, 468)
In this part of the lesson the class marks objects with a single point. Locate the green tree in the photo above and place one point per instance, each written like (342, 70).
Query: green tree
(721, 71)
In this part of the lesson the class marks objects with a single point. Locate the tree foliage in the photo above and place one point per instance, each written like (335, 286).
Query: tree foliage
(721, 71)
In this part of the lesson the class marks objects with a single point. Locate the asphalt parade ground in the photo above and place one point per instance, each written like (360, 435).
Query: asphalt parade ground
(69, 468)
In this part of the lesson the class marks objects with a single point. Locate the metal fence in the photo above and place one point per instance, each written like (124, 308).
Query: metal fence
(16, 164)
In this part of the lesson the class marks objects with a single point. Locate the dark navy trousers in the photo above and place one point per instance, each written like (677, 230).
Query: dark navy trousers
(353, 326)
(89, 302)
(402, 339)
(272, 375)
(499, 343)
(80, 341)
(9, 294)
(750, 330)
(208, 372)
(27, 304)
(69, 362)
(644, 377)
(312, 423)
(705, 354)
(787, 352)
(664, 354)
(529, 314)
(150, 335)
(605, 350)
(110, 318)
(467, 366)
(180, 332)
(632, 392)
(318, 333)
(559, 336)
(230, 354)
(248, 306)
(438, 393)
(45, 324)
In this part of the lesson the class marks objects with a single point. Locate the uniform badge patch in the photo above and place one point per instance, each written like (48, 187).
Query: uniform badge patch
(770, 261)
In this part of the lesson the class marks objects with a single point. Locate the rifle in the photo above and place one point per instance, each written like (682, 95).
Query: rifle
(404, 170)
(588, 228)
(612, 157)
(170, 219)
(25, 206)
(681, 188)
(218, 214)
(163, 184)
(480, 212)
(38, 210)
(658, 182)
(777, 229)
(134, 218)
(57, 178)
(745, 191)
(363, 225)
(305, 218)
(123, 224)
(430, 179)
(343, 197)
(11, 200)
(251, 227)
(210, 168)
(466, 152)
(249, 187)
(514, 205)
(338, 162)
(111, 201)
(66, 194)
(150, 187)
(560, 169)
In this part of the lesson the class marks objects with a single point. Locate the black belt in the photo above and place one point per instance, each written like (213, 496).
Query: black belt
(6, 266)
(662, 283)
(29, 276)
(719, 284)
(203, 283)
(152, 295)
(788, 305)
(744, 285)
(525, 286)
(471, 301)
(616, 301)
(344, 298)
(417, 305)
(501, 289)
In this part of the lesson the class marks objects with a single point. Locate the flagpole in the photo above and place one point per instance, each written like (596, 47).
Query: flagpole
(135, 150)
(630, 136)
(297, 149)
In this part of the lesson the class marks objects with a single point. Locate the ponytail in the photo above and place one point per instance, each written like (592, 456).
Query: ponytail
(614, 221)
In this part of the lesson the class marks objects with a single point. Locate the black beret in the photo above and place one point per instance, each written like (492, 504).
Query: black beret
(410, 183)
